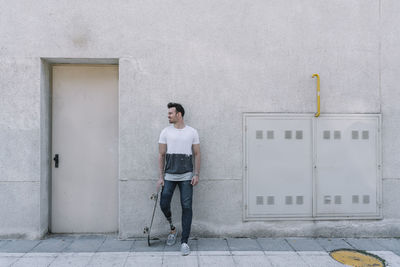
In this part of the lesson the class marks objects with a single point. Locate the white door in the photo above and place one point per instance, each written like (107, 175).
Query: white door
(85, 138)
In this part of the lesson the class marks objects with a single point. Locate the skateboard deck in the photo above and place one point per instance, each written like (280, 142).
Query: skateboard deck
(147, 230)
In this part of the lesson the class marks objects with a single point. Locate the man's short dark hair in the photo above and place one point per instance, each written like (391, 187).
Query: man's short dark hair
(178, 108)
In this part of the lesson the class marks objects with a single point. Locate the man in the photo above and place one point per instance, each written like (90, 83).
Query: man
(176, 168)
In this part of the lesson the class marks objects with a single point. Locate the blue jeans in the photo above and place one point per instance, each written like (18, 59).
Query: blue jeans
(186, 190)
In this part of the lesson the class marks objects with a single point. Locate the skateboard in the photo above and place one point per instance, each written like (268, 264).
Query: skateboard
(147, 229)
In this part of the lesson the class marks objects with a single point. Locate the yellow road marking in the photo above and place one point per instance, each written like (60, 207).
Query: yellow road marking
(357, 258)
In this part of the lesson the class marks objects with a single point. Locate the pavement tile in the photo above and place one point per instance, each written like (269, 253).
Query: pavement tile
(212, 244)
(219, 261)
(102, 250)
(113, 245)
(279, 253)
(72, 260)
(254, 261)
(148, 253)
(247, 253)
(8, 260)
(108, 259)
(243, 244)
(312, 253)
(390, 258)
(11, 254)
(330, 244)
(3, 242)
(319, 258)
(286, 259)
(214, 253)
(305, 244)
(62, 236)
(83, 254)
(92, 236)
(193, 243)
(156, 246)
(177, 253)
(397, 252)
(274, 244)
(364, 244)
(52, 245)
(34, 261)
(19, 246)
(179, 260)
(40, 254)
(392, 244)
(112, 253)
(140, 261)
(114, 237)
(177, 246)
(84, 244)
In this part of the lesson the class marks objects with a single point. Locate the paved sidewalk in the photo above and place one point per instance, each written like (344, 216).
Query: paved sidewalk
(106, 250)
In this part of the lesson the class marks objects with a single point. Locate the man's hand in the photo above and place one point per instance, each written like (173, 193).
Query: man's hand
(195, 180)
(160, 182)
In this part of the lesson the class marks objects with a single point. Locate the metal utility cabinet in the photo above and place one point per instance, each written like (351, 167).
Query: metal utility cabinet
(303, 167)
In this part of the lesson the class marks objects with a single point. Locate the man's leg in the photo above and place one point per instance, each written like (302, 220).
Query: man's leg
(165, 200)
(186, 190)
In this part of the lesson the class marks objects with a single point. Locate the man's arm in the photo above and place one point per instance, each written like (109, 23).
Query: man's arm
(162, 149)
(197, 160)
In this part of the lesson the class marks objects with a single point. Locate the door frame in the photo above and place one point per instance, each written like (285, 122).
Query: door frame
(46, 66)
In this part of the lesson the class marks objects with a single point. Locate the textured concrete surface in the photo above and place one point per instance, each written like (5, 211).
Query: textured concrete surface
(330, 244)
(245, 244)
(52, 245)
(18, 155)
(19, 209)
(219, 59)
(204, 251)
(212, 244)
(304, 244)
(19, 246)
(390, 61)
(274, 244)
(391, 198)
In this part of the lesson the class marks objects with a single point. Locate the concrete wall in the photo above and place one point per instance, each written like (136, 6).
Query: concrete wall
(219, 59)
(20, 147)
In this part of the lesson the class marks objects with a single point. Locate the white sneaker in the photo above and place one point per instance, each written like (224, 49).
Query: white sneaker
(171, 240)
(185, 249)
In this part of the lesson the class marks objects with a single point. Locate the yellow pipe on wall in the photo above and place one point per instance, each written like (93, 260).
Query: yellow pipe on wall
(318, 95)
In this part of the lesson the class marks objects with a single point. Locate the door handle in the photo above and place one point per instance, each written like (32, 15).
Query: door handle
(56, 160)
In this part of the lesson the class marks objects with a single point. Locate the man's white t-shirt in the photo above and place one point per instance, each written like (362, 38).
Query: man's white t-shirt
(178, 160)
